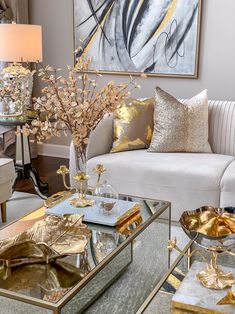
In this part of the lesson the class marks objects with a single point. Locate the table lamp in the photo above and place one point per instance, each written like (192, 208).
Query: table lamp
(19, 44)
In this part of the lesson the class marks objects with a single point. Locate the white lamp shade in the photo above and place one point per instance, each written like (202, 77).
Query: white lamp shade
(20, 43)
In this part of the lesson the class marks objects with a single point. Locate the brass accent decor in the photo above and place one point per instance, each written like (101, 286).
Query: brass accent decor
(213, 229)
(82, 179)
(214, 277)
(128, 222)
(63, 170)
(54, 279)
(82, 200)
(58, 198)
(228, 299)
(99, 170)
(51, 238)
(209, 221)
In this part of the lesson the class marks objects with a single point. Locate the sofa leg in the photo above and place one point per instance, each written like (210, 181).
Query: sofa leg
(4, 212)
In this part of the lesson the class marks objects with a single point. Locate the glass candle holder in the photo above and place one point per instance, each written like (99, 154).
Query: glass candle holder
(107, 198)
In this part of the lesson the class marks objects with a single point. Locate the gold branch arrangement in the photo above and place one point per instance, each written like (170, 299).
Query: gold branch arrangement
(75, 104)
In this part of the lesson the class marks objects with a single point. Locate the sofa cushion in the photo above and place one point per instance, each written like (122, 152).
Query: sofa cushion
(133, 125)
(7, 170)
(180, 127)
(227, 197)
(187, 180)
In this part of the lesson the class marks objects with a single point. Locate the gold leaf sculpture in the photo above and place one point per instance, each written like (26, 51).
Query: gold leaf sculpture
(50, 238)
(53, 280)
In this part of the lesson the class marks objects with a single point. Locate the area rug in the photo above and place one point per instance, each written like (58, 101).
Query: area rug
(136, 283)
(21, 204)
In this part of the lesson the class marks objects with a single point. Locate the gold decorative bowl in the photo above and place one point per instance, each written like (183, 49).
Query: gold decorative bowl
(208, 225)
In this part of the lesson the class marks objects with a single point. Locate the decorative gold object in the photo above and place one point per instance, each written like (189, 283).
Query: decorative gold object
(82, 200)
(50, 238)
(63, 170)
(209, 221)
(214, 277)
(128, 222)
(228, 299)
(82, 179)
(53, 280)
(58, 198)
(213, 229)
(99, 170)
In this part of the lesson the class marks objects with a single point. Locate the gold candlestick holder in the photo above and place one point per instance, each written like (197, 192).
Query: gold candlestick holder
(81, 178)
(82, 201)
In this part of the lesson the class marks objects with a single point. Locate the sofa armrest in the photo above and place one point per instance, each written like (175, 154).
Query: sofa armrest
(100, 143)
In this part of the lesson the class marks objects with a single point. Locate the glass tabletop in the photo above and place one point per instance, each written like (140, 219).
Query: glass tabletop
(147, 232)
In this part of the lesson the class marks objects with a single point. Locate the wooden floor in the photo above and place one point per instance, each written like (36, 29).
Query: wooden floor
(46, 167)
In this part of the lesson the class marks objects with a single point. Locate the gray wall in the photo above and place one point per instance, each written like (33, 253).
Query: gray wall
(217, 53)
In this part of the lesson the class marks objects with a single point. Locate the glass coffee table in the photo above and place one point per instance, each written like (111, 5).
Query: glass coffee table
(133, 262)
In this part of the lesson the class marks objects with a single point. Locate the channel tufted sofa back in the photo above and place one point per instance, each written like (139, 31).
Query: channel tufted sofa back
(222, 127)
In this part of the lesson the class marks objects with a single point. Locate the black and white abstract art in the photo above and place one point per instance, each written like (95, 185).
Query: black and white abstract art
(156, 37)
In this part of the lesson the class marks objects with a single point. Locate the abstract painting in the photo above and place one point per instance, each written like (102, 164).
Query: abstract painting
(155, 37)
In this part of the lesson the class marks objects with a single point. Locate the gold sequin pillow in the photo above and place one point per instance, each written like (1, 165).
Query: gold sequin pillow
(180, 126)
(133, 125)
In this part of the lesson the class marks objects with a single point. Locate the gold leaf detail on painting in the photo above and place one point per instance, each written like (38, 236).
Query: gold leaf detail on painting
(170, 11)
(98, 28)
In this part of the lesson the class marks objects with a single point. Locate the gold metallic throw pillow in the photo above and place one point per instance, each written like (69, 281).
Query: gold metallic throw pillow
(180, 127)
(133, 125)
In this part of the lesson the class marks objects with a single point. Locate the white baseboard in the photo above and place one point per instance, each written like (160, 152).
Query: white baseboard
(53, 150)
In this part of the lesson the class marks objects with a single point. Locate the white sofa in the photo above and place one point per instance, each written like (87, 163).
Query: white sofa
(187, 180)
